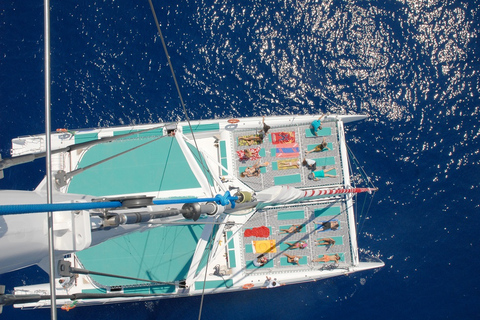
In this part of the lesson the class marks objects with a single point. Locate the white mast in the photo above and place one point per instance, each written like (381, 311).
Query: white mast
(53, 310)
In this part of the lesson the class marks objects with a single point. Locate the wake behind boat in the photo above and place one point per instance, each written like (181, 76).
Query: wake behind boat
(207, 206)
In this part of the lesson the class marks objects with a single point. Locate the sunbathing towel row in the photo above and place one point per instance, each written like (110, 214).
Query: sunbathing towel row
(321, 226)
(270, 246)
(289, 260)
(300, 214)
(292, 163)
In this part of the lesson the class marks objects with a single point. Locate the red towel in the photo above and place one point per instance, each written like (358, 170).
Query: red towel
(260, 232)
(253, 151)
(283, 137)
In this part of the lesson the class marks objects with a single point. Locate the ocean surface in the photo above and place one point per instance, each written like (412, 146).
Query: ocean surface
(412, 65)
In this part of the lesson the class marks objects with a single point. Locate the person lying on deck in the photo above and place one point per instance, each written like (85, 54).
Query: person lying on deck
(253, 139)
(282, 164)
(327, 258)
(292, 259)
(325, 242)
(260, 261)
(293, 229)
(254, 170)
(319, 148)
(329, 225)
(296, 245)
(315, 175)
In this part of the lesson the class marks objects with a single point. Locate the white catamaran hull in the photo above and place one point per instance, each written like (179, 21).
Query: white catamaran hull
(175, 250)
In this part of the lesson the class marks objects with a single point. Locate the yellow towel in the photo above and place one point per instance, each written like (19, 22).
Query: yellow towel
(264, 246)
(286, 164)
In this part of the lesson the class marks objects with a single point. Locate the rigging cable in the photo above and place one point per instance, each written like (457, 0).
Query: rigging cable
(205, 168)
(364, 176)
(210, 242)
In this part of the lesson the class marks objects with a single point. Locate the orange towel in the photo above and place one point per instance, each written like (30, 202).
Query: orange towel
(264, 246)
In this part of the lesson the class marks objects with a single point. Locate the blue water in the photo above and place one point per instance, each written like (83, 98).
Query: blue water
(412, 65)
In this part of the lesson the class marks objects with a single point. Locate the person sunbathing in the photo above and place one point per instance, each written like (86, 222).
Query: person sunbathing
(296, 245)
(253, 139)
(329, 225)
(260, 261)
(292, 259)
(327, 258)
(315, 175)
(319, 148)
(325, 242)
(287, 164)
(293, 229)
(254, 170)
(247, 154)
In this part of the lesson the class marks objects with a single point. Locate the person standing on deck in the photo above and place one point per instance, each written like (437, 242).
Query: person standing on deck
(317, 124)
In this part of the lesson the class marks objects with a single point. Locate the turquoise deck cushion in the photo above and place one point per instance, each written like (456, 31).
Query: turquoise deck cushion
(338, 240)
(161, 254)
(321, 133)
(284, 261)
(250, 265)
(201, 128)
(326, 212)
(341, 254)
(325, 161)
(287, 179)
(312, 146)
(288, 215)
(157, 166)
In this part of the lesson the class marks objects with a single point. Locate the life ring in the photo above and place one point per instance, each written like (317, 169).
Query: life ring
(233, 121)
(61, 130)
(247, 286)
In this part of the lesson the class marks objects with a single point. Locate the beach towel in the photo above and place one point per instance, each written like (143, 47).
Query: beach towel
(260, 232)
(289, 150)
(242, 142)
(253, 151)
(283, 137)
(287, 164)
(264, 246)
(319, 225)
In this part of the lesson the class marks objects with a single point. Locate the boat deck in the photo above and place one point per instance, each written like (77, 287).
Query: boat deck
(284, 150)
(275, 245)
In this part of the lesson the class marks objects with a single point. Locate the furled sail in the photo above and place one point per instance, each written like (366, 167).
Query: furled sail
(287, 194)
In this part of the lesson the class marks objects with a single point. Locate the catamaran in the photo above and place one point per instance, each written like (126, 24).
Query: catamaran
(188, 208)
(156, 211)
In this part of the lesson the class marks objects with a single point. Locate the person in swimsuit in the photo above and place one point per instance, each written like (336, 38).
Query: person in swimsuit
(293, 229)
(327, 258)
(325, 242)
(292, 259)
(256, 138)
(254, 170)
(329, 225)
(253, 139)
(317, 174)
(316, 125)
(318, 148)
(296, 245)
(260, 261)
(265, 128)
(287, 164)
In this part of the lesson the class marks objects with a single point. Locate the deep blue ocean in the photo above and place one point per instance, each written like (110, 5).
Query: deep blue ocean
(412, 65)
